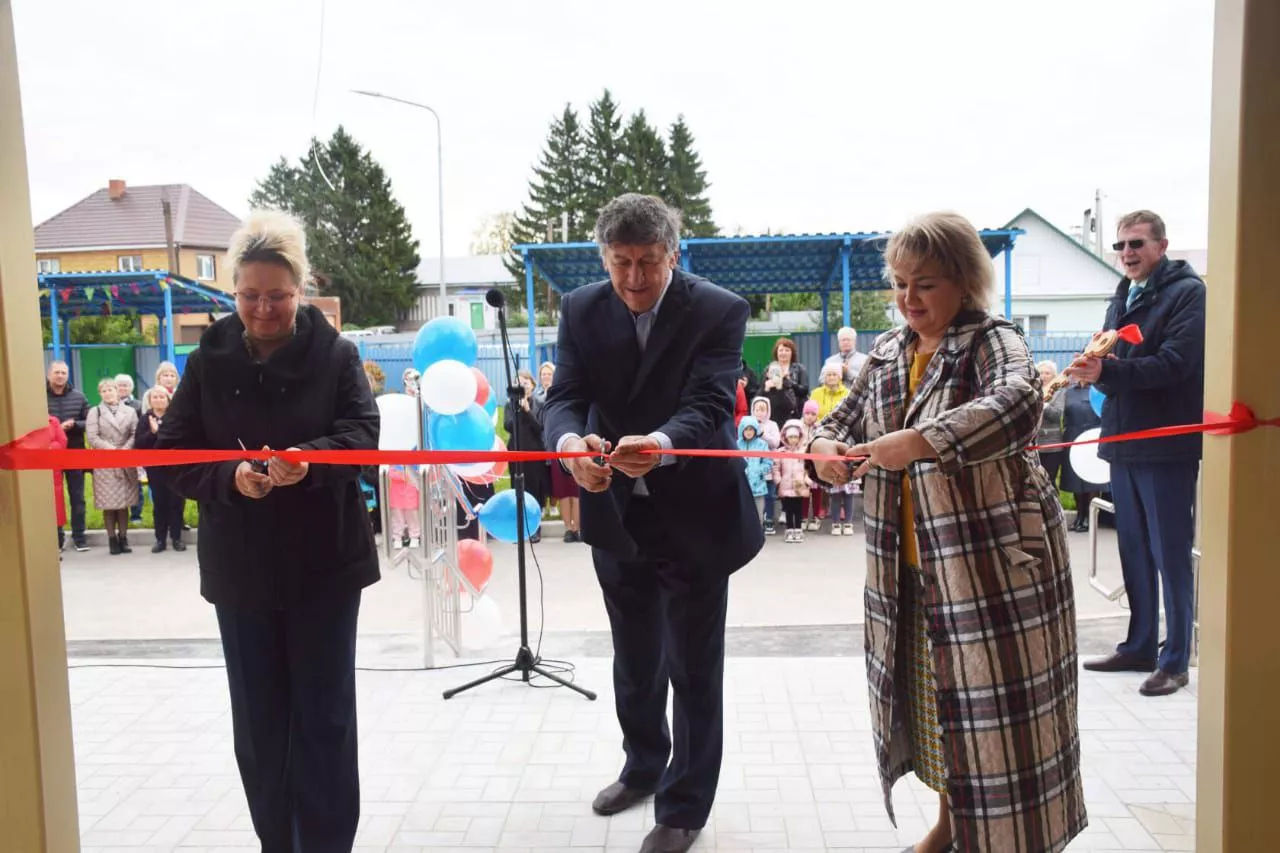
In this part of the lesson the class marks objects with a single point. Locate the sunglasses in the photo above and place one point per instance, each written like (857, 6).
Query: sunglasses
(1119, 245)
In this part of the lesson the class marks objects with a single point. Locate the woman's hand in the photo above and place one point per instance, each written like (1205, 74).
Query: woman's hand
(834, 472)
(893, 451)
(155, 423)
(283, 473)
(250, 483)
(524, 403)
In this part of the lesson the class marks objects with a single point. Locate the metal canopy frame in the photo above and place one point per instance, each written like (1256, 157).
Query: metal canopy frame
(157, 293)
(749, 266)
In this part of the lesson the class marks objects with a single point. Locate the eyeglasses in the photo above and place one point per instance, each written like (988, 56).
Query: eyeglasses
(1119, 245)
(275, 300)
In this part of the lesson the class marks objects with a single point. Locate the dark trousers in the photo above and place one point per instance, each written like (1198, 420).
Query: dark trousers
(794, 510)
(667, 621)
(1155, 529)
(135, 513)
(74, 481)
(293, 714)
(167, 507)
(1053, 460)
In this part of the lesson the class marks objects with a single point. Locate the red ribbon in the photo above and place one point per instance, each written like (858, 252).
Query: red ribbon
(32, 452)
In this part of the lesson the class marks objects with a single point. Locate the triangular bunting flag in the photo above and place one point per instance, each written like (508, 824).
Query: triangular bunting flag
(115, 291)
(88, 293)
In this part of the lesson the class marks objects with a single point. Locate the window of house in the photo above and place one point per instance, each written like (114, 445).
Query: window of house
(48, 265)
(205, 268)
(1033, 324)
(129, 263)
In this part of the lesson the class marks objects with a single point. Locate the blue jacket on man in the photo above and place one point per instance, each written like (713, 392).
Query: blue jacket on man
(1159, 382)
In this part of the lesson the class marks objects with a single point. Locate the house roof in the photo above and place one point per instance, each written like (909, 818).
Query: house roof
(466, 271)
(1065, 236)
(136, 219)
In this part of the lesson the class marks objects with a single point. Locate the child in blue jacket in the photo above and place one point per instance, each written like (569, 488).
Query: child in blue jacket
(759, 469)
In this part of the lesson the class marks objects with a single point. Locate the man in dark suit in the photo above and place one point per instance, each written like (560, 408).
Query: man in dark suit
(1157, 383)
(649, 360)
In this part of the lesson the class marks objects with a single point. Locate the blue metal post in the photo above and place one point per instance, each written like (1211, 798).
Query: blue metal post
(825, 344)
(169, 353)
(686, 262)
(533, 314)
(845, 251)
(1008, 281)
(55, 321)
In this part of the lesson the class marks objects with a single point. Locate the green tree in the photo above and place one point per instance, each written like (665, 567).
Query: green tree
(494, 235)
(605, 153)
(358, 237)
(687, 182)
(645, 164)
(113, 329)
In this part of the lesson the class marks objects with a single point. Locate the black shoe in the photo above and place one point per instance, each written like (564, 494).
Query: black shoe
(158, 547)
(668, 839)
(81, 545)
(618, 798)
(535, 538)
(1163, 684)
(1121, 663)
(113, 545)
(124, 544)
(179, 545)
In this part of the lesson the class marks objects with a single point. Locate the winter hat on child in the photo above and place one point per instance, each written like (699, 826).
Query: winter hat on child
(811, 406)
(792, 426)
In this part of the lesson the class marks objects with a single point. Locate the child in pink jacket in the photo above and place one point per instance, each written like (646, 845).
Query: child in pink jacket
(406, 523)
(792, 479)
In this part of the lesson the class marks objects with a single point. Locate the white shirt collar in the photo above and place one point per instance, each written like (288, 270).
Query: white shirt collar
(661, 296)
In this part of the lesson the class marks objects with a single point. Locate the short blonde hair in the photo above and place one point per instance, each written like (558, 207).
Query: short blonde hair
(1049, 364)
(165, 366)
(950, 241)
(270, 236)
(109, 382)
(155, 391)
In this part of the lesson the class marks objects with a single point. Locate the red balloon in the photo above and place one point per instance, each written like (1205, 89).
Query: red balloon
(482, 386)
(475, 562)
(499, 468)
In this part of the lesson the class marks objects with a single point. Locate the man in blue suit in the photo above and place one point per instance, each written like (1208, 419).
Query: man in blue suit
(649, 360)
(1157, 383)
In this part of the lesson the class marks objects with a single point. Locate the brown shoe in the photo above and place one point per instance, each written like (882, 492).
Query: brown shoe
(1120, 663)
(617, 798)
(1163, 684)
(668, 839)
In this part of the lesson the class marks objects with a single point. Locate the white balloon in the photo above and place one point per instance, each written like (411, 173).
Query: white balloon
(399, 413)
(475, 469)
(482, 625)
(1085, 461)
(448, 387)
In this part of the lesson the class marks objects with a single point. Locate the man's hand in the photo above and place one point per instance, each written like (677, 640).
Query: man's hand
(893, 451)
(630, 458)
(250, 483)
(283, 473)
(68, 424)
(835, 473)
(586, 471)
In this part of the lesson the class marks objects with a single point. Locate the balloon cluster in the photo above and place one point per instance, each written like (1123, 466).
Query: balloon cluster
(462, 415)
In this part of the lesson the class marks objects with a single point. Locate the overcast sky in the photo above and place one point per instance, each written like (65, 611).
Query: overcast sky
(810, 116)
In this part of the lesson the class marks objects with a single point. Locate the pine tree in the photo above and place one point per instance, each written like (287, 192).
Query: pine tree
(644, 158)
(687, 183)
(358, 238)
(605, 167)
(557, 187)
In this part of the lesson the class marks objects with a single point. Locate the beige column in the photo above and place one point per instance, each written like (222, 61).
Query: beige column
(37, 770)
(1238, 796)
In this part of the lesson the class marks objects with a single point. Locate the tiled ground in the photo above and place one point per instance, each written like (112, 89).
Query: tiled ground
(511, 768)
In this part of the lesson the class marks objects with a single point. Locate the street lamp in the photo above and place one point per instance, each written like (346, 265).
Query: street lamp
(444, 294)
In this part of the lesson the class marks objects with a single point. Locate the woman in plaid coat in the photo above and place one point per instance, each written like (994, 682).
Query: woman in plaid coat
(970, 613)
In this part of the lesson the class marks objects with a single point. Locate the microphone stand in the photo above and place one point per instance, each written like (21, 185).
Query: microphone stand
(525, 663)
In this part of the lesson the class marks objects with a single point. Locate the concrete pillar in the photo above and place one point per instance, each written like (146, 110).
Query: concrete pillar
(1239, 750)
(38, 791)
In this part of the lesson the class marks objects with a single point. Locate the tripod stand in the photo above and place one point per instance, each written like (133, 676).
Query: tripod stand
(525, 663)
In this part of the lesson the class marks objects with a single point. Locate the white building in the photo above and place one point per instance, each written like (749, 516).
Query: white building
(469, 277)
(1058, 285)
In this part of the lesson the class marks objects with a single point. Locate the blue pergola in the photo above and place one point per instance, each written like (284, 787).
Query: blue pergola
(749, 266)
(157, 293)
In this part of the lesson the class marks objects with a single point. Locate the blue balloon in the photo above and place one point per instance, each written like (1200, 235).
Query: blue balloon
(491, 405)
(498, 515)
(470, 430)
(444, 338)
(1096, 399)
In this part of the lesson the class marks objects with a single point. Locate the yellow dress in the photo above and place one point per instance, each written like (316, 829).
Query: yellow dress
(922, 691)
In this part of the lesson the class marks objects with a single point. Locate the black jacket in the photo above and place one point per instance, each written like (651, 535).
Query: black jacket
(70, 405)
(683, 385)
(300, 541)
(1159, 382)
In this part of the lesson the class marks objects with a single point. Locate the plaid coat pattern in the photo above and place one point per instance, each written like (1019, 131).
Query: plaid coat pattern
(997, 589)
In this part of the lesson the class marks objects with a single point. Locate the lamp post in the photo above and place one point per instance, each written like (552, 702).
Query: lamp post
(444, 293)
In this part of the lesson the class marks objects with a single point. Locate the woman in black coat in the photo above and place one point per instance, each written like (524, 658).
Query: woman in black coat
(523, 423)
(284, 551)
(167, 506)
(1077, 416)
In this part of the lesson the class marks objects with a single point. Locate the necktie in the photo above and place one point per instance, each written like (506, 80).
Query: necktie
(1135, 290)
(644, 324)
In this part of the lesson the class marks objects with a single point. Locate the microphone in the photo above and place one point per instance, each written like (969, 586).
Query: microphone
(495, 298)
